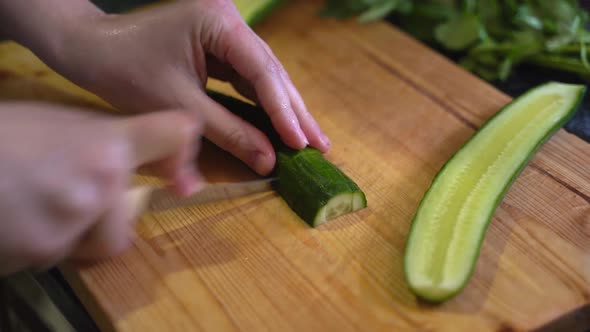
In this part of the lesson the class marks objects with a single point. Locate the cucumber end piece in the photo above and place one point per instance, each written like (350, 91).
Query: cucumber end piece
(340, 205)
(428, 291)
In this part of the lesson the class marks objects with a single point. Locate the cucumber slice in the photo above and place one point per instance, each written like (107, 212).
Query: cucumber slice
(253, 11)
(314, 188)
(451, 221)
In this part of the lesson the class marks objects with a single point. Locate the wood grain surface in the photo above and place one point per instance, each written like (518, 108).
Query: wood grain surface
(395, 111)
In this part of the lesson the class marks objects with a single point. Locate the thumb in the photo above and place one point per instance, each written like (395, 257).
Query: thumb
(168, 139)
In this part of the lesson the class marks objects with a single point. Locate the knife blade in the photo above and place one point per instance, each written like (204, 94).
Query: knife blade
(151, 199)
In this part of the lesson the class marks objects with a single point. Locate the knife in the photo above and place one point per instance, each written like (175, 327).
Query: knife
(143, 199)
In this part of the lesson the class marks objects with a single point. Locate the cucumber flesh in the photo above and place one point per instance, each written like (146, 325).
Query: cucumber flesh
(450, 223)
(340, 205)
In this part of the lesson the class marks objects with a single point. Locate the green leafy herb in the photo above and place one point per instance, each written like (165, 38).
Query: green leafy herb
(459, 32)
(493, 36)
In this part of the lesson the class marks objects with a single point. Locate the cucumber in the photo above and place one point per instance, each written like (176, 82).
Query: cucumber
(450, 223)
(253, 11)
(314, 188)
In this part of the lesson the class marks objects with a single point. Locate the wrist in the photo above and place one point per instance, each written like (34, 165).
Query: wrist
(53, 44)
(44, 26)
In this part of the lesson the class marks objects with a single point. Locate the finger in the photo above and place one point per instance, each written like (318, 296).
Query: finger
(182, 174)
(239, 47)
(113, 233)
(168, 141)
(309, 125)
(236, 136)
(110, 236)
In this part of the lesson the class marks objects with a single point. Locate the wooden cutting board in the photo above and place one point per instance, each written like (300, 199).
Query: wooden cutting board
(395, 111)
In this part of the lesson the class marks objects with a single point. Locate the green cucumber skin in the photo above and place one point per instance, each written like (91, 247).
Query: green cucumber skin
(304, 195)
(499, 198)
(307, 181)
(258, 16)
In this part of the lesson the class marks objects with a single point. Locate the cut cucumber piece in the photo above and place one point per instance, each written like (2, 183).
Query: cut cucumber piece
(314, 188)
(450, 223)
(253, 11)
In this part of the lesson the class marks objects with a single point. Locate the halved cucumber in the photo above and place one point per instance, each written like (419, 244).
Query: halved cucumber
(450, 223)
(314, 188)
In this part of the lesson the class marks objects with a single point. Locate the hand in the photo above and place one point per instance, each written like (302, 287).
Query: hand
(162, 57)
(63, 174)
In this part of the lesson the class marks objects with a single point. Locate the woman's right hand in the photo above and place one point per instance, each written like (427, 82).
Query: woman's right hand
(63, 175)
